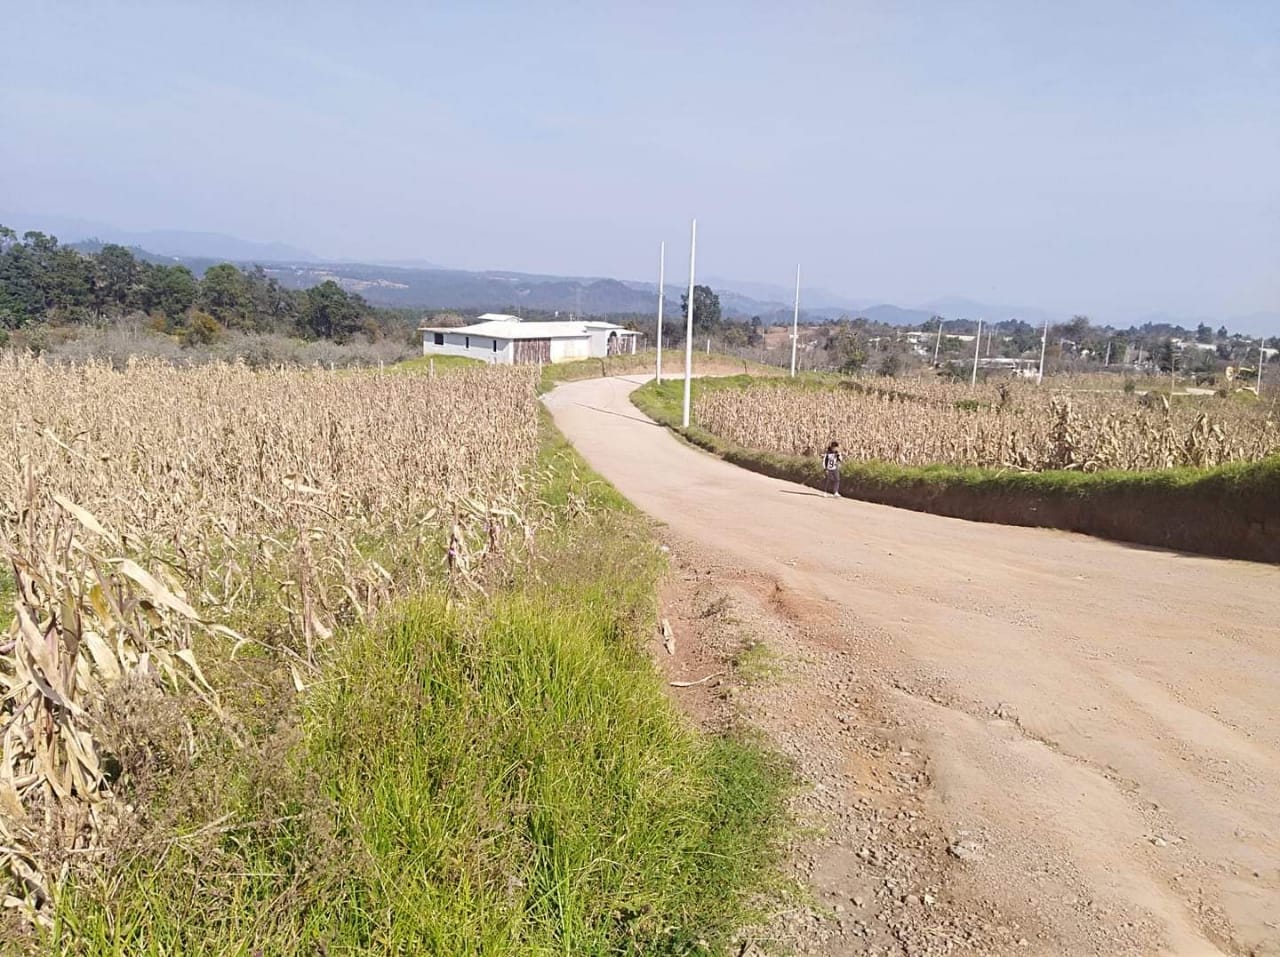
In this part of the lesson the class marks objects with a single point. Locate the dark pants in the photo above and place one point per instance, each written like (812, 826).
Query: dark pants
(832, 484)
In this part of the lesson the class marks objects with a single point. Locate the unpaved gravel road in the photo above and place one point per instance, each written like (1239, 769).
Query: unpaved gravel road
(1070, 745)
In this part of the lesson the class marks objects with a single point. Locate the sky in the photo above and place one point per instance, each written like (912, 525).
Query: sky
(1108, 158)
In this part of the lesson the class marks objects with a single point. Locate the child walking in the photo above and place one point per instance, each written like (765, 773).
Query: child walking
(831, 460)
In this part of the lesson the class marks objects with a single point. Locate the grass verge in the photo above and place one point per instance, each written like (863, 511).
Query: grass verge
(1228, 511)
(501, 776)
(439, 363)
(643, 363)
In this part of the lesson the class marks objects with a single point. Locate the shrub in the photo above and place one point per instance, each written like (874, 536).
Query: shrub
(201, 330)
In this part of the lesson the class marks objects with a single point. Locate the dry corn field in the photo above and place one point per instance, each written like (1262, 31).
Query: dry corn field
(1010, 425)
(156, 518)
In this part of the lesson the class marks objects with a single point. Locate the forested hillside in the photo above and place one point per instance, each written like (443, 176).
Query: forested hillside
(43, 281)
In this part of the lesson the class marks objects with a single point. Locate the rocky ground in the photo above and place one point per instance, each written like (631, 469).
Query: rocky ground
(874, 870)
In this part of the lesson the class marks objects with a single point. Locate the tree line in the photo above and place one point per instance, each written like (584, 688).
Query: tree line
(42, 280)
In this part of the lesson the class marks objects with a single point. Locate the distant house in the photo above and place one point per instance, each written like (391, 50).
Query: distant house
(510, 340)
(1185, 344)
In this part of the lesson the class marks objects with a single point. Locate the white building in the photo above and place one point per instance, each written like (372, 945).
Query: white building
(1185, 344)
(510, 340)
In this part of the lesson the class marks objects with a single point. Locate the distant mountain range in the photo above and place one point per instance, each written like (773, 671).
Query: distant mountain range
(176, 243)
(969, 309)
(421, 284)
(810, 296)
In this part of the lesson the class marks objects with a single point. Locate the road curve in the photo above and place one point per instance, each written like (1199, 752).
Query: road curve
(1106, 716)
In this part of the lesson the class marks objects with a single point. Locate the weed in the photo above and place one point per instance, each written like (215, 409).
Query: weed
(756, 664)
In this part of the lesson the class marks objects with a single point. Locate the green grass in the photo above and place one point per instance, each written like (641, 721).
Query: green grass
(440, 363)
(554, 373)
(504, 776)
(1228, 510)
(757, 664)
(642, 363)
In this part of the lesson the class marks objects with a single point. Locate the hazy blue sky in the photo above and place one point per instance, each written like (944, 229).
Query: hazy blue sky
(1109, 157)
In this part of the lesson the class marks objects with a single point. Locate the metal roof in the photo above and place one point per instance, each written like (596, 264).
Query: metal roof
(512, 328)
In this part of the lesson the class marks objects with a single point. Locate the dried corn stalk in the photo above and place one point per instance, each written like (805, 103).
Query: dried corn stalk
(143, 508)
(1008, 425)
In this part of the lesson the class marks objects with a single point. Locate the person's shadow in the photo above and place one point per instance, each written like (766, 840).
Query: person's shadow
(791, 491)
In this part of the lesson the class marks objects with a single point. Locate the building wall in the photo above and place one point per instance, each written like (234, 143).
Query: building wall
(473, 347)
(600, 343)
(565, 350)
(481, 347)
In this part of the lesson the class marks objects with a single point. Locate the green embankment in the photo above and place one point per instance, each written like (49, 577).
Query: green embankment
(643, 363)
(497, 776)
(439, 363)
(1232, 511)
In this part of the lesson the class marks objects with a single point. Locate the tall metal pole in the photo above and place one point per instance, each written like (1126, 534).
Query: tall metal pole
(938, 344)
(977, 344)
(1262, 359)
(1044, 343)
(795, 324)
(688, 329)
(662, 272)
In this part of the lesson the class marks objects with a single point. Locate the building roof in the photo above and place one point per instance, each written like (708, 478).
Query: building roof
(494, 326)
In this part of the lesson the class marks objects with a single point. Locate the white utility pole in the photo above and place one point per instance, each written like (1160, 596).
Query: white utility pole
(1108, 362)
(662, 269)
(1262, 359)
(795, 324)
(1044, 343)
(688, 328)
(977, 344)
(938, 344)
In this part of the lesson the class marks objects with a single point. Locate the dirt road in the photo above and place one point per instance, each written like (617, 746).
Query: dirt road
(1073, 745)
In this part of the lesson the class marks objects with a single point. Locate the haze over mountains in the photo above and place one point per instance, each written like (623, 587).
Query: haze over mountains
(422, 284)
(177, 243)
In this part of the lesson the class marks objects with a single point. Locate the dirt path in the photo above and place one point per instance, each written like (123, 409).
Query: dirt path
(1020, 740)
